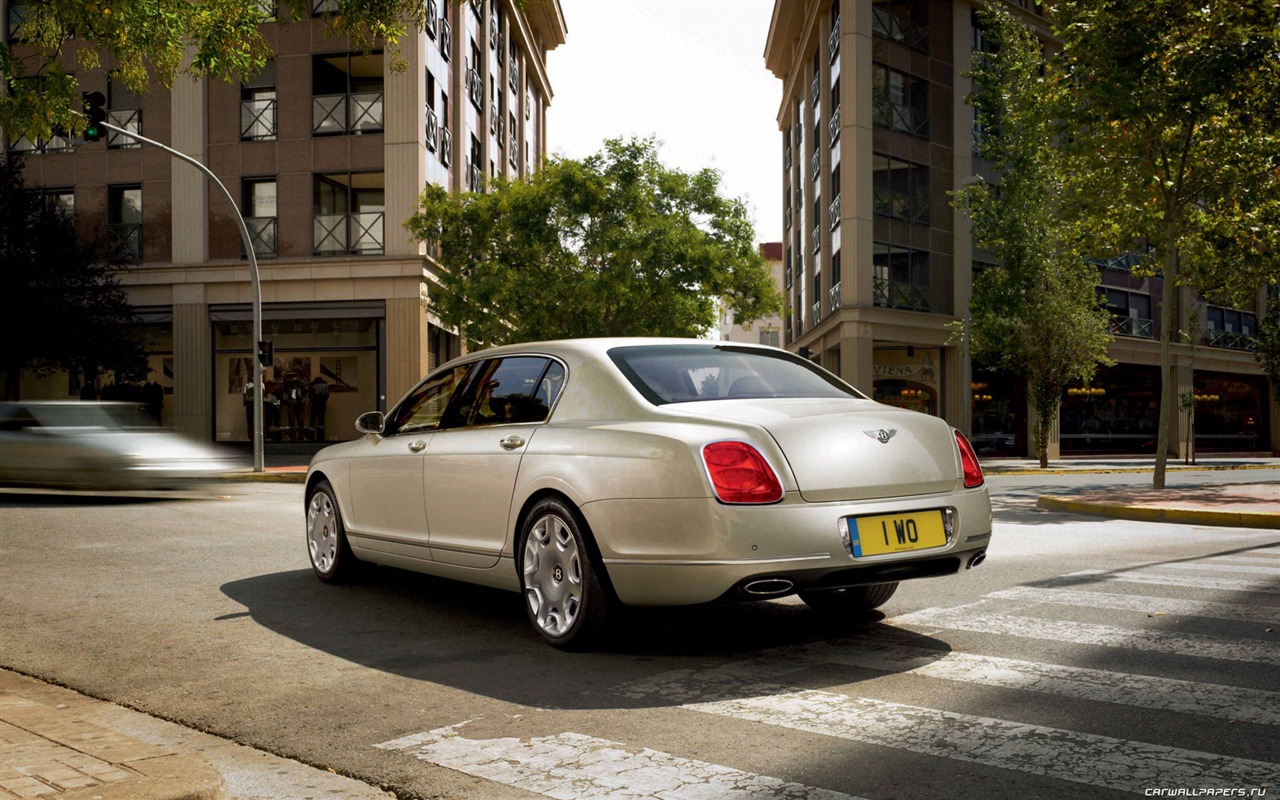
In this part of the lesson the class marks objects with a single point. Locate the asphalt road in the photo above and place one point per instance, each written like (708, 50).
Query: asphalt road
(1085, 658)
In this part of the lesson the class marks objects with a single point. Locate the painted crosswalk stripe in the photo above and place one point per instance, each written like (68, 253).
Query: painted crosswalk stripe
(1186, 644)
(1068, 755)
(571, 766)
(1118, 688)
(1256, 570)
(1141, 603)
(1182, 581)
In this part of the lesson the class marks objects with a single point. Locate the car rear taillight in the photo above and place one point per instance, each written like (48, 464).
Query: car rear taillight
(969, 462)
(739, 474)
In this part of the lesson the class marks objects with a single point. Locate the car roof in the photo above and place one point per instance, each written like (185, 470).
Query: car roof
(598, 347)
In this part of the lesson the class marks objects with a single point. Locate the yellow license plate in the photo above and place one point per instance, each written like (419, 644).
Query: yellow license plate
(896, 533)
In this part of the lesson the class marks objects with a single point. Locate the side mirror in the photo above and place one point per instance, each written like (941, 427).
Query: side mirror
(372, 422)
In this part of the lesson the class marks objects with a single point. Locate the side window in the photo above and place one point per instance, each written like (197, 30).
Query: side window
(511, 391)
(423, 410)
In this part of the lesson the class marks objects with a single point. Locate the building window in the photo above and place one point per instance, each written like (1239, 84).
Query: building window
(433, 124)
(124, 221)
(901, 22)
(769, 337)
(61, 201)
(349, 213)
(258, 106)
(124, 110)
(346, 93)
(1130, 313)
(900, 189)
(58, 141)
(899, 101)
(259, 204)
(834, 292)
(901, 277)
(1230, 327)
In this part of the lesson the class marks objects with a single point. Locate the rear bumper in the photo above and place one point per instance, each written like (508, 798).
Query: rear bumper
(690, 551)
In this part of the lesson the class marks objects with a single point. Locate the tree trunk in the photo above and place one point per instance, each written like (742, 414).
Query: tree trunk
(1167, 313)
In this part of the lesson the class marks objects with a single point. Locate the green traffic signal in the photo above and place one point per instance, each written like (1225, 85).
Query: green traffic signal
(95, 109)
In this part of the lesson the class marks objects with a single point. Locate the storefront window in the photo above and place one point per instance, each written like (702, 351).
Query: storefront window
(1116, 413)
(324, 376)
(908, 377)
(999, 414)
(1230, 413)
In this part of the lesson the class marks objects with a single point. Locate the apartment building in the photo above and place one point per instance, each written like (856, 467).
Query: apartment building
(327, 151)
(766, 330)
(878, 266)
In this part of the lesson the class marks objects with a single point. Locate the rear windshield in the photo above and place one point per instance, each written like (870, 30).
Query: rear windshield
(688, 373)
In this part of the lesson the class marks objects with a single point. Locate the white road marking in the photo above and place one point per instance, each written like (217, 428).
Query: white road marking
(572, 766)
(1055, 752)
(1207, 565)
(1141, 603)
(1150, 577)
(1119, 688)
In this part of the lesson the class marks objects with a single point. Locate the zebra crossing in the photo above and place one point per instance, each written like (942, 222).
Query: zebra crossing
(1121, 612)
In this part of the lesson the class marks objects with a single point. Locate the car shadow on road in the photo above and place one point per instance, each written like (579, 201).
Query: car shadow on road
(56, 498)
(479, 640)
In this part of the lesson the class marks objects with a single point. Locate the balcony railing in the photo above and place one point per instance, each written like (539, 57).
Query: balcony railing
(258, 120)
(817, 239)
(814, 88)
(319, 7)
(475, 88)
(833, 297)
(815, 165)
(432, 21)
(358, 112)
(833, 126)
(815, 313)
(900, 205)
(833, 212)
(54, 144)
(514, 76)
(355, 234)
(901, 118)
(513, 148)
(446, 146)
(131, 120)
(446, 39)
(889, 25)
(125, 239)
(898, 294)
(786, 158)
(262, 233)
(1231, 340)
(433, 129)
(833, 41)
(1132, 326)
(475, 178)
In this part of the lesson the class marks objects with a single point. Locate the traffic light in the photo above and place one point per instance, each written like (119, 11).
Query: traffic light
(266, 353)
(95, 109)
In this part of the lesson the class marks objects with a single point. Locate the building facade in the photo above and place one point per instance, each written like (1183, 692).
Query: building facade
(326, 151)
(766, 330)
(878, 266)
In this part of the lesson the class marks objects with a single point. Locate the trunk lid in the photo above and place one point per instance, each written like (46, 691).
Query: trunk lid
(842, 450)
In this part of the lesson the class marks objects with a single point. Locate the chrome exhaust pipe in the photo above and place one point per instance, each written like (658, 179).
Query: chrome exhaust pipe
(977, 559)
(768, 587)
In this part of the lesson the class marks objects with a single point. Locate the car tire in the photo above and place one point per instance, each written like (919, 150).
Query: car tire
(560, 576)
(327, 546)
(852, 600)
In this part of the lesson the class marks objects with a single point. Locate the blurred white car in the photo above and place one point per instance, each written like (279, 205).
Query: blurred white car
(77, 444)
(647, 472)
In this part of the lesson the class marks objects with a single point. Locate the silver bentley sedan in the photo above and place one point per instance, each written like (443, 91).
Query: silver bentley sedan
(595, 472)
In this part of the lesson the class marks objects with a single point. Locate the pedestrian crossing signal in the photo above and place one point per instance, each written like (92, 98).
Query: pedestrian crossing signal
(95, 109)
(266, 353)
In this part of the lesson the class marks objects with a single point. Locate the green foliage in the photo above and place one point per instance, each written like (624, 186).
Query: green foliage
(1036, 314)
(1266, 347)
(1173, 132)
(146, 40)
(614, 245)
(61, 306)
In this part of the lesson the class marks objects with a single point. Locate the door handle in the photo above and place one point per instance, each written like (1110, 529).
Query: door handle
(418, 446)
(511, 443)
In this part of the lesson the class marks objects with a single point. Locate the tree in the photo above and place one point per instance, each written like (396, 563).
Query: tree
(1266, 347)
(145, 40)
(614, 245)
(1173, 132)
(1036, 314)
(61, 306)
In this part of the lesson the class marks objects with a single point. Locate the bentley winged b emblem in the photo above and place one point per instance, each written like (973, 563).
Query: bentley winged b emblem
(883, 435)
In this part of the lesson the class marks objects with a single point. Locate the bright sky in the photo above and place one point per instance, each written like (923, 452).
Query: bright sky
(689, 72)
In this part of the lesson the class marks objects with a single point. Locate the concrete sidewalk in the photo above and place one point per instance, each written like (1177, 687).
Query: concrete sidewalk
(1242, 505)
(56, 743)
